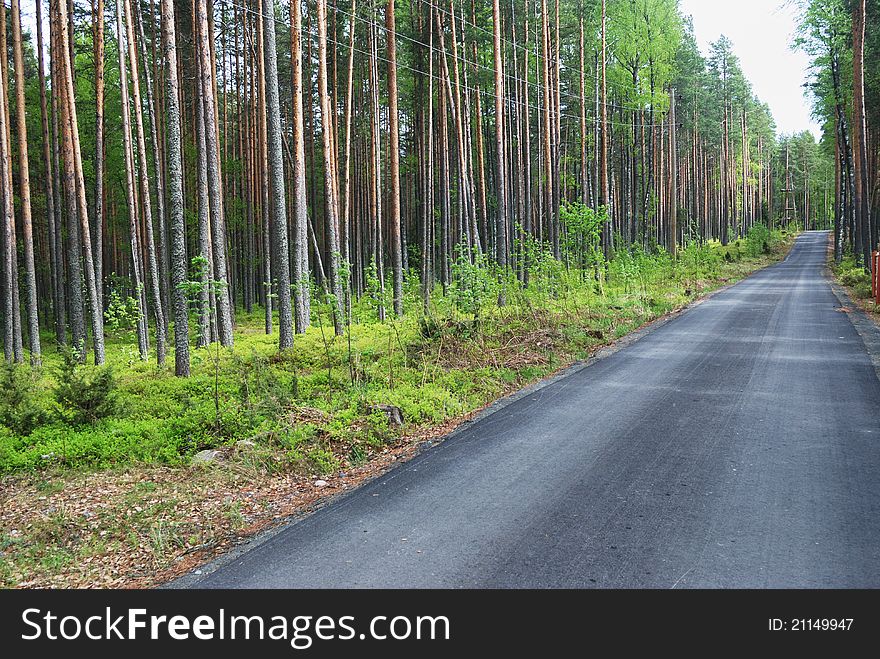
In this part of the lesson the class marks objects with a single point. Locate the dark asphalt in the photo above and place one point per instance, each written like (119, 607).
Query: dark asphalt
(737, 445)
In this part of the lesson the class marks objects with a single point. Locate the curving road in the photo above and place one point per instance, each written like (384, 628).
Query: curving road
(737, 445)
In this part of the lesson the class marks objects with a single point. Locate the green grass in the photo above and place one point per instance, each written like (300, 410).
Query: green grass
(853, 276)
(308, 409)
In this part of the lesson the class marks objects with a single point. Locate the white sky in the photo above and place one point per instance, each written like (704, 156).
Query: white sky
(761, 32)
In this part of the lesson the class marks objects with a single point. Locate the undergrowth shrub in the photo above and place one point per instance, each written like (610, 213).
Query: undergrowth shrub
(22, 408)
(85, 393)
(474, 284)
(854, 276)
(758, 240)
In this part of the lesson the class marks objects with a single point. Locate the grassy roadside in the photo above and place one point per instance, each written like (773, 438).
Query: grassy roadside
(855, 281)
(119, 502)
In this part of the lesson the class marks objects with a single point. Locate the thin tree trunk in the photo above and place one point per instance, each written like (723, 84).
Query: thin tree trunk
(276, 176)
(130, 188)
(98, 42)
(75, 179)
(65, 168)
(673, 174)
(175, 189)
(160, 187)
(144, 180)
(207, 318)
(300, 203)
(10, 281)
(605, 198)
(215, 192)
(394, 161)
(262, 147)
(860, 152)
(330, 188)
(24, 182)
(501, 179)
(55, 258)
(375, 195)
(345, 238)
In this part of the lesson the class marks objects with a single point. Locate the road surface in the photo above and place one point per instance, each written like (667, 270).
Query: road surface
(737, 445)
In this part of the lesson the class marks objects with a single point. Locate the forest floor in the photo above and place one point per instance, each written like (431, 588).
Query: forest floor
(121, 503)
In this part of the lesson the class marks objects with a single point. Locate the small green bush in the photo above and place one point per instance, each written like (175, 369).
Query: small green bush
(758, 240)
(21, 407)
(85, 394)
(473, 284)
(855, 277)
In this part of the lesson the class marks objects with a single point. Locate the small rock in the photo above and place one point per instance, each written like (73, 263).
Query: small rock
(321, 483)
(198, 572)
(391, 412)
(206, 456)
(244, 445)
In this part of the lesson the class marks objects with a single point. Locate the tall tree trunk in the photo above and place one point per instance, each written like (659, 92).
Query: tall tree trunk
(177, 224)
(98, 43)
(673, 174)
(276, 177)
(17, 347)
(207, 306)
(547, 126)
(215, 192)
(585, 179)
(144, 180)
(345, 237)
(9, 279)
(604, 199)
(131, 185)
(64, 161)
(160, 187)
(24, 182)
(262, 148)
(300, 202)
(501, 179)
(55, 258)
(394, 161)
(75, 179)
(375, 195)
(330, 188)
(859, 138)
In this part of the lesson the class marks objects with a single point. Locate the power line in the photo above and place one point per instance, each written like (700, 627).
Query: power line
(437, 77)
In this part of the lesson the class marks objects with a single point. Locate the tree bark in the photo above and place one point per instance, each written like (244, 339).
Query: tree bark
(24, 182)
(215, 191)
(394, 162)
(501, 182)
(300, 199)
(131, 187)
(330, 188)
(144, 180)
(276, 177)
(98, 43)
(76, 182)
(860, 152)
(175, 194)
(55, 259)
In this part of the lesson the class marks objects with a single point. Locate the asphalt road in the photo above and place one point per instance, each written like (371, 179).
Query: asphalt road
(737, 445)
